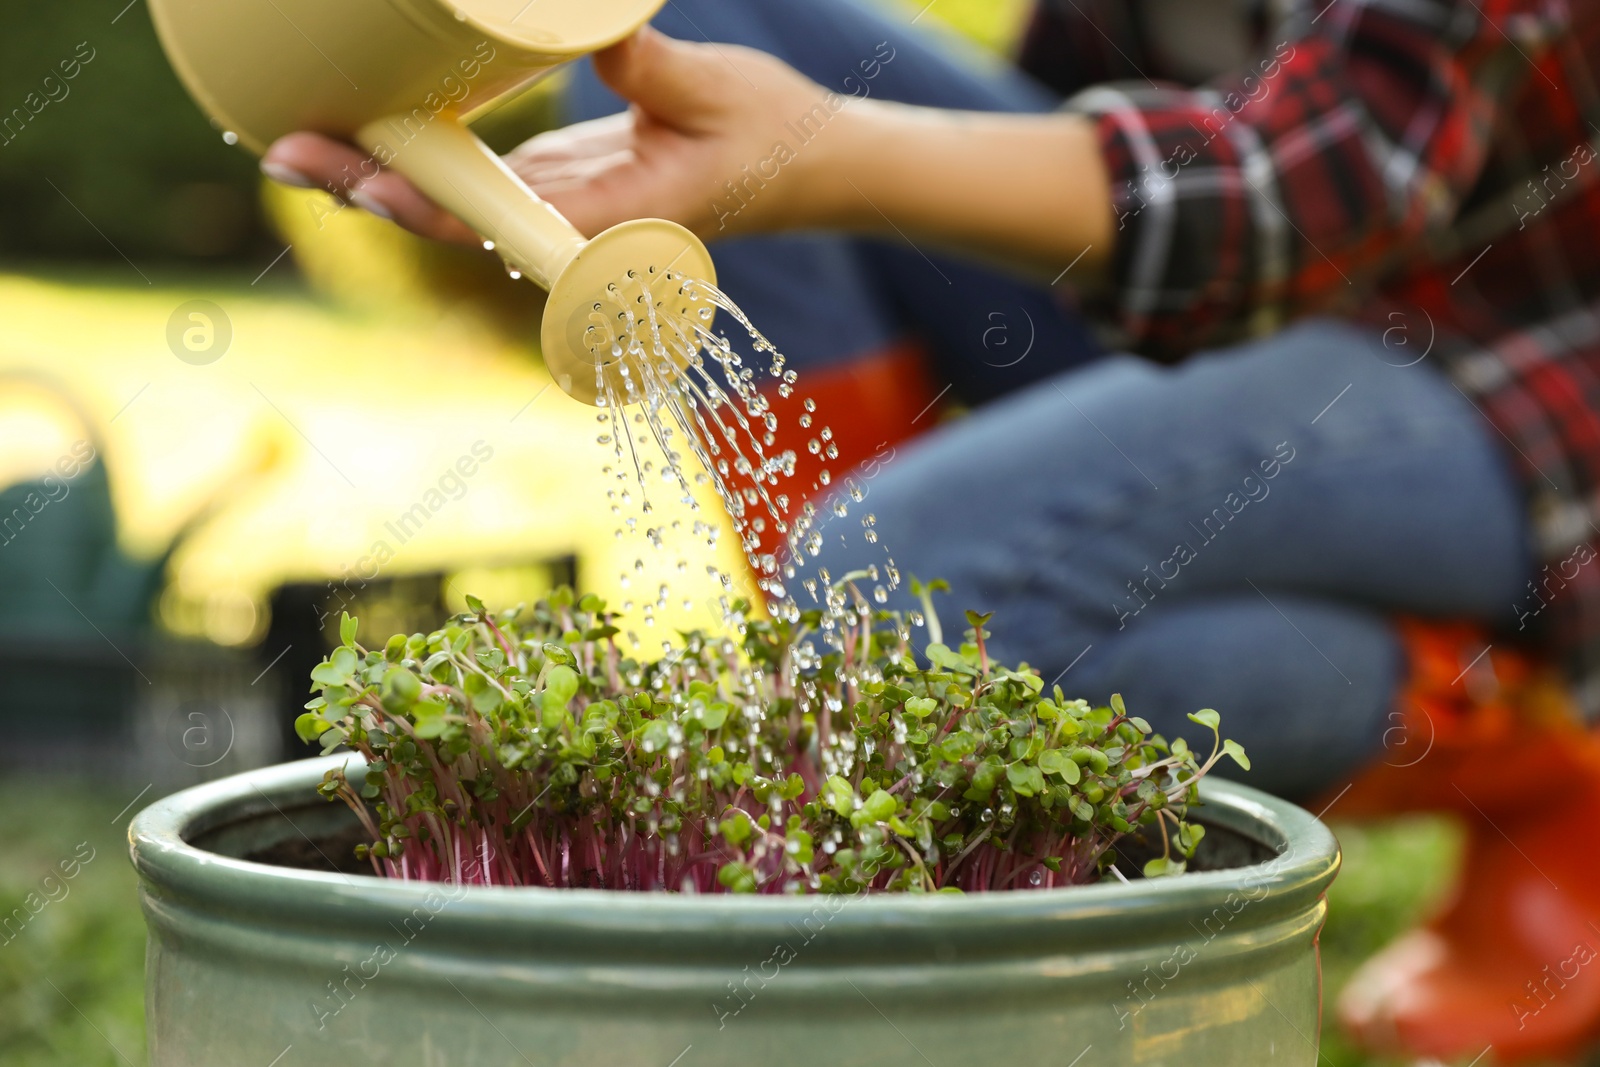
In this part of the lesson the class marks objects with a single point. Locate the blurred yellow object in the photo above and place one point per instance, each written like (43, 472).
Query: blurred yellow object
(38, 432)
(498, 585)
(358, 259)
(328, 446)
(995, 24)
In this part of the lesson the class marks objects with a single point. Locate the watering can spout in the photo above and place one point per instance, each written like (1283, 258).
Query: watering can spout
(464, 176)
(400, 78)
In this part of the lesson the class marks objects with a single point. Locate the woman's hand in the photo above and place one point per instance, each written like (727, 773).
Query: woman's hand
(727, 141)
(701, 113)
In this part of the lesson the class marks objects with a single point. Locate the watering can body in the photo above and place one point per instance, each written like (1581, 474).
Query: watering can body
(400, 78)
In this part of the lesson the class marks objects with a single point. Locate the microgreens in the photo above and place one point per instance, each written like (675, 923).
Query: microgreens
(525, 749)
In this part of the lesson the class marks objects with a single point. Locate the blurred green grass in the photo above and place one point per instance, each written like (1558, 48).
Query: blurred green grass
(71, 984)
(72, 979)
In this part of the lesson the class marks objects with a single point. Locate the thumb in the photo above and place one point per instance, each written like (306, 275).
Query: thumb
(668, 79)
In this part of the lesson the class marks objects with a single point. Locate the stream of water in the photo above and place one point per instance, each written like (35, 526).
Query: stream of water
(684, 386)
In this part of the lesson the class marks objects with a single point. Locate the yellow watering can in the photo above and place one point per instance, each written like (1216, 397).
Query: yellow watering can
(400, 78)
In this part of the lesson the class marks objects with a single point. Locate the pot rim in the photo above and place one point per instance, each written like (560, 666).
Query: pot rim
(171, 867)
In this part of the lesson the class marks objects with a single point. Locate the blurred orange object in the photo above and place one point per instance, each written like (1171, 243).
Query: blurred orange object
(1513, 958)
(869, 405)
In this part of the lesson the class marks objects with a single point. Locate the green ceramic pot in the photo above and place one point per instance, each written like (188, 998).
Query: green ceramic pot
(253, 962)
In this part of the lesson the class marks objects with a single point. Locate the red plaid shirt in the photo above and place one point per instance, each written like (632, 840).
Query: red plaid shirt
(1431, 164)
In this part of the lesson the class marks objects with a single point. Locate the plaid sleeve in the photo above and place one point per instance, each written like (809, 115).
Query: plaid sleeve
(1283, 189)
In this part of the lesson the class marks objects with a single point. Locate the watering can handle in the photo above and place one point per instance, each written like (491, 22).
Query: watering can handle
(459, 172)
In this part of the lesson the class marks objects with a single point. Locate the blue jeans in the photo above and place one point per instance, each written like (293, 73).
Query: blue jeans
(1236, 532)
(826, 299)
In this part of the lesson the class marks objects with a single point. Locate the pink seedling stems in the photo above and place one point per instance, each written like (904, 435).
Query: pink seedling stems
(496, 793)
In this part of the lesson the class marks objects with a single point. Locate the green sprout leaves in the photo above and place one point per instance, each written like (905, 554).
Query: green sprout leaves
(877, 808)
(1212, 721)
(527, 748)
(338, 669)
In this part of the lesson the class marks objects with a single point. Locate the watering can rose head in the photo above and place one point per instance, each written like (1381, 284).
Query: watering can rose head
(527, 749)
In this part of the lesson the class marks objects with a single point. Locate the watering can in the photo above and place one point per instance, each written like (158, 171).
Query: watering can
(400, 78)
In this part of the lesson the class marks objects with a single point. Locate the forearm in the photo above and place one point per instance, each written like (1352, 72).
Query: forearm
(1031, 189)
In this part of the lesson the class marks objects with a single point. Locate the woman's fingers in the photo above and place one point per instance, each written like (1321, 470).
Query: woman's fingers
(392, 197)
(581, 140)
(599, 194)
(310, 160)
(700, 114)
(678, 81)
(557, 173)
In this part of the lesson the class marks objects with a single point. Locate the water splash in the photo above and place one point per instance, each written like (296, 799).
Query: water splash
(675, 381)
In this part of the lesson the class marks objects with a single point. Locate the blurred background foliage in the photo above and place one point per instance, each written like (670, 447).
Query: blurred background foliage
(119, 200)
(124, 144)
